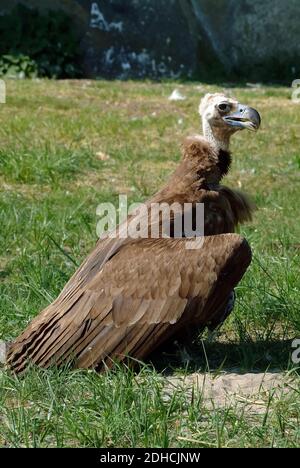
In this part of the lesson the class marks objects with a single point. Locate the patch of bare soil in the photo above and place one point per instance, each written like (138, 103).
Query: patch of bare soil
(226, 389)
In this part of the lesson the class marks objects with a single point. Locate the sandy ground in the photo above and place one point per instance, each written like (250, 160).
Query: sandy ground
(232, 388)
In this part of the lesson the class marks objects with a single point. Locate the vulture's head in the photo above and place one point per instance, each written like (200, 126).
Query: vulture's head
(225, 116)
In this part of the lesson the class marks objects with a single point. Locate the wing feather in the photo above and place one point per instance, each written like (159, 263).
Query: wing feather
(141, 296)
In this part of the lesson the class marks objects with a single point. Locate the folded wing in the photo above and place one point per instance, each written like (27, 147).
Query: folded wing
(146, 292)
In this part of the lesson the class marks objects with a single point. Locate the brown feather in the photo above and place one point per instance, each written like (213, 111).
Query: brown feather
(131, 295)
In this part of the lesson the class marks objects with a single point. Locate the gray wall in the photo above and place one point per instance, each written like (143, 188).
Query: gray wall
(248, 39)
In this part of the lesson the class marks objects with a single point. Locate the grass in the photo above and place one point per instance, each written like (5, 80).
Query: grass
(53, 176)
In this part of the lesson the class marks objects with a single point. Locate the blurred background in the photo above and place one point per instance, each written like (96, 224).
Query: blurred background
(239, 40)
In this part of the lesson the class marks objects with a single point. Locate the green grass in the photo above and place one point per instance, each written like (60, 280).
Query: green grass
(67, 409)
(51, 181)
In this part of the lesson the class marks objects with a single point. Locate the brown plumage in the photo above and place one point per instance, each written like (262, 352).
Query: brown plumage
(130, 295)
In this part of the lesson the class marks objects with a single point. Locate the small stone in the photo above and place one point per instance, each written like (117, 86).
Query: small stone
(102, 156)
(177, 96)
(3, 351)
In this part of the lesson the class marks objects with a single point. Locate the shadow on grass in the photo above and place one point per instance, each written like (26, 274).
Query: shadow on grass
(242, 357)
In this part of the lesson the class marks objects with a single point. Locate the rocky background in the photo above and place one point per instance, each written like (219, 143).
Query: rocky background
(204, 39)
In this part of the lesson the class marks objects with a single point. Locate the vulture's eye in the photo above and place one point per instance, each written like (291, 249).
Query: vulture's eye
(224, 107)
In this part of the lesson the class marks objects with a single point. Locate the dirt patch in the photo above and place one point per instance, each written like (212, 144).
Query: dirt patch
(226, 389)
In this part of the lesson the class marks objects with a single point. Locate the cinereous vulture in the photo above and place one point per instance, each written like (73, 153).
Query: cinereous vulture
(131, 295)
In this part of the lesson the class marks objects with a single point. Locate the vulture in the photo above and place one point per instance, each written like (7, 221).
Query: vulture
(131, 295)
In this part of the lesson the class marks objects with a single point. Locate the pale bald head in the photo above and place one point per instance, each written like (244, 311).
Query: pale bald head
(210, 100)
(222, 116)
(223, 111)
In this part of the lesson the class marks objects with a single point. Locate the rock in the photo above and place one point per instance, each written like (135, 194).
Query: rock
(102, 156)
(177, 96)
(3, 349)
(137, 39)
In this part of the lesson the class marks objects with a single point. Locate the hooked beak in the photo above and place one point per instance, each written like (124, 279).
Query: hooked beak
(244, 117)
